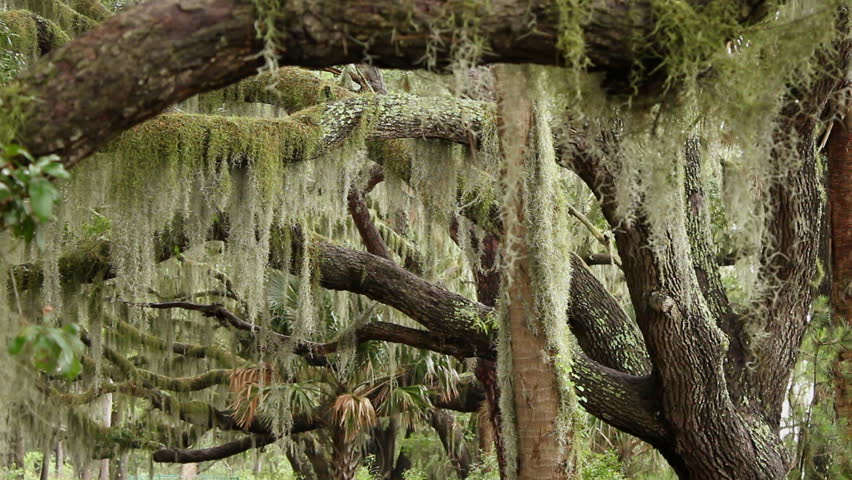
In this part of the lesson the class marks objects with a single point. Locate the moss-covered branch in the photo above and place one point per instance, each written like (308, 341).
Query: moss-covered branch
(291, 88)
(160, 52)
(312, 131)
(133, 373)
(132, 333)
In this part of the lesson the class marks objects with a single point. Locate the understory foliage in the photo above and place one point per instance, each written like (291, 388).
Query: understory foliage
(229, 199)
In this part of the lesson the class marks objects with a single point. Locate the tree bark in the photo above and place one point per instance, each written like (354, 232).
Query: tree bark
(346, 454)
(840, 212)
(540, 453)
(60, 458)
(106, 421)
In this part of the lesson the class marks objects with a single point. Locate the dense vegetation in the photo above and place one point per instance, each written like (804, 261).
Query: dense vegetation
(404, 240)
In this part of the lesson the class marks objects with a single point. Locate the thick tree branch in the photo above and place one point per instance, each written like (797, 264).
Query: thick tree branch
(301, 424)
(160, 52)
(705, 262)
(788, 259)
(602, 328)
(183, 455)
(599, 324)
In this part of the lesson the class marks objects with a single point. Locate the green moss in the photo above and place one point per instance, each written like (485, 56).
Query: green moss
(573, 15)
(92, 9)
(22, 34)
(58, 11)
(686, 38)
(290, 88)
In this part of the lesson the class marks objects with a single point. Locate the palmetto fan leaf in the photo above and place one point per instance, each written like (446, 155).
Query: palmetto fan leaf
(353, 413)
(248, 386)
(412, 402)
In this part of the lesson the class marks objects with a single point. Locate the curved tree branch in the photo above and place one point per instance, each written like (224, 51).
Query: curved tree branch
(160, 52)
(184, 455)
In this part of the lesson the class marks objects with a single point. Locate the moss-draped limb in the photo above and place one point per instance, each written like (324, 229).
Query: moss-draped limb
(93, 9)
(174, 384)
(327, 125)
(788, 261)
(158, 53)
(602, 328)
(132, 373)
(313, 352)
(132, 333)
(665, 294)
(401, 116)
(706, 263)
(449, 317)
(594, 317)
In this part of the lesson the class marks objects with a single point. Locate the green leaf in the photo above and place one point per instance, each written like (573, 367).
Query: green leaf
(16, 346)
(55, 169)
(42, 196)
(12, 150)
(73, 369)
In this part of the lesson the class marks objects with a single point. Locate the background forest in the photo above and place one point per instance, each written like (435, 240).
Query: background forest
(504, 240)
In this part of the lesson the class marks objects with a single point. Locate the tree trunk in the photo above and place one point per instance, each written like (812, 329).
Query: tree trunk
(346, 455)
(539, 452)
(18, 452)
(121, 470)
(258, 465)
(317, 458)
(452, 438)
(840, 211)
(299, 460)
(484, 433)
(382, 445)
(44, 473)
(106, 420)
(60, 458)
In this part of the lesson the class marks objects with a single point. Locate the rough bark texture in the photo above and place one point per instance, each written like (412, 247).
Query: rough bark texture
(710, 401)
